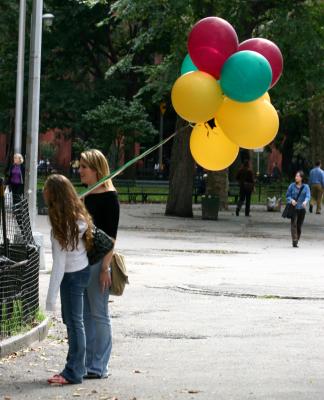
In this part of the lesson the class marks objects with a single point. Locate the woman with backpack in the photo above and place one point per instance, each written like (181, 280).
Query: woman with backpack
(103, 205)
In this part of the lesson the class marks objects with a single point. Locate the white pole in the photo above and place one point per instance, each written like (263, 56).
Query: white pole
(258, 163)
(20, 77)
(33, 108)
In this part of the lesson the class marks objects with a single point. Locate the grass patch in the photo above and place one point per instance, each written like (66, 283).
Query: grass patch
(12, 321)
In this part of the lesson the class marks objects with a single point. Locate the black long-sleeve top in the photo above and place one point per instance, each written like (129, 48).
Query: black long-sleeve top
(104, 209)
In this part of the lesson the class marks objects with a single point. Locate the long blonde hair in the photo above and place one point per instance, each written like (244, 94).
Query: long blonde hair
(96, 161)
(64, 210)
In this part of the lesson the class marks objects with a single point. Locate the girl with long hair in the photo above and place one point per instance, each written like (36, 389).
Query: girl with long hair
(71, 237)
(103, 206)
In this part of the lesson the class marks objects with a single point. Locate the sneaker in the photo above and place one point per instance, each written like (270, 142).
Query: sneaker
(318, 212)
(310, 208)
(295, 243)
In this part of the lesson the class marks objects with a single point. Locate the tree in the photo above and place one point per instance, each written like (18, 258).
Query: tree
(118, 121)
(182, 172)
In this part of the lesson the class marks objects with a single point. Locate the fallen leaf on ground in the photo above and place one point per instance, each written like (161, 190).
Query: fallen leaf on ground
(137, 371)
(76, 395)
(7, 398)
(193, 391)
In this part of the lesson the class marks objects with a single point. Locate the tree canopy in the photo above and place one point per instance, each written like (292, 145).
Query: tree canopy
(100, 53)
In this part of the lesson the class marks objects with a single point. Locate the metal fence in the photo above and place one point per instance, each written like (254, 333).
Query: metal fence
(19, 266)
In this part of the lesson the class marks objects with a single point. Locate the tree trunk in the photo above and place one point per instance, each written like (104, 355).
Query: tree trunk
(217, 185)
(316, 130)
(182, 172)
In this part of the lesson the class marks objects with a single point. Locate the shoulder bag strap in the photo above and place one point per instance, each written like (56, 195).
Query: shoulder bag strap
(299, 193)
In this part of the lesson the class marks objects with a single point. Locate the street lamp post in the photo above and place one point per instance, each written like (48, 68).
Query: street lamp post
(20, 77)
(33, 107)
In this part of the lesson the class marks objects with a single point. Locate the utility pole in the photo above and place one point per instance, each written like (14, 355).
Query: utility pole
(20, 77)
(33, 108)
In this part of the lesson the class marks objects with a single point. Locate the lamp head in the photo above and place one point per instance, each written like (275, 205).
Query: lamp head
(48, 19)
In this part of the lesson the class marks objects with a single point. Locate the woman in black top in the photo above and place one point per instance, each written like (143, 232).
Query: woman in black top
(103, 205)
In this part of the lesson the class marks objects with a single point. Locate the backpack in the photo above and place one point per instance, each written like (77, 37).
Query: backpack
(119, 276)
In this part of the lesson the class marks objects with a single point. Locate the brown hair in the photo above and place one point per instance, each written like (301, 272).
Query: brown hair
(301, 174)
(64, 210)
(97, 162)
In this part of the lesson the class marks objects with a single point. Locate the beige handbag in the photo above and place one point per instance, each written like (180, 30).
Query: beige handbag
(119, 276)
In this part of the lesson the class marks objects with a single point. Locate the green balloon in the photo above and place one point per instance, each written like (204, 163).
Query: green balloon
(245, 76)
(187, 65)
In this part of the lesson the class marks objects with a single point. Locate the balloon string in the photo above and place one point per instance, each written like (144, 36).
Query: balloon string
(207, 128)
(129, 163)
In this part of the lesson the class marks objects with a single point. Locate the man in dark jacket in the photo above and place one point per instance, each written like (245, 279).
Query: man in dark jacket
(245, 178)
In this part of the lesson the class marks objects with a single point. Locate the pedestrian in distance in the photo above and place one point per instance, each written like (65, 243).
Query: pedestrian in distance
(245, 178)
(275, 173)
(16, 177)
(298, 194)
(316, 183)
(71, 237)
(103, 206)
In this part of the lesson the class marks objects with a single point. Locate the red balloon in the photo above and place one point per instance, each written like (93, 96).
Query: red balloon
(211, 41)
(270, 51)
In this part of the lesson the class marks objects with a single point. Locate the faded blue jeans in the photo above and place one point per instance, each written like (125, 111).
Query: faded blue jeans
(97, 325)
(72, 290)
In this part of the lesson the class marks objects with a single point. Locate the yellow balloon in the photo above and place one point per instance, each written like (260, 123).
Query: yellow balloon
(250, 125)
(196, 96)
(211, 148)
(266, 97)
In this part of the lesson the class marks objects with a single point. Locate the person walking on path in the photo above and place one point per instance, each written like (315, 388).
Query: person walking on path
(16, 177)
(103, 205)
(245, 178)
(298, 194)
(71, 237)
(316, 183)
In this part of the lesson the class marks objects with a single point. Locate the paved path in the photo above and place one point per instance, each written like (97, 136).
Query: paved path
(223, 310)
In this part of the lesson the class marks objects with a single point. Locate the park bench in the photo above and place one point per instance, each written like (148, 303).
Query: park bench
(143, 189)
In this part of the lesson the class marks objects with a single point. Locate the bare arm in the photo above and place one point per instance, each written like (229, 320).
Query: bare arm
(105, 276)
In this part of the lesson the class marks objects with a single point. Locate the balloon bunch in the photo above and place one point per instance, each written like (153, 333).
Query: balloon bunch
(227, 82)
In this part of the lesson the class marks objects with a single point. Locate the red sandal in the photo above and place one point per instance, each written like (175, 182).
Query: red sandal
(58, 380)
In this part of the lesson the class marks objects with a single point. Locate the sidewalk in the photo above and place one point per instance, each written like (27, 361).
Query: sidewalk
(215, 310)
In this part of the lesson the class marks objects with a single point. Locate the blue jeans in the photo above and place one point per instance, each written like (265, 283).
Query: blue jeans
(72, 290)
(97, 325)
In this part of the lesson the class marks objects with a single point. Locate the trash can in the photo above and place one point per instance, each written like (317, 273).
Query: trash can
(210, 207)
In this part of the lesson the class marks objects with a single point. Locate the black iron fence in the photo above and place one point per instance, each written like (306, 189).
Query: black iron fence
(19, 266)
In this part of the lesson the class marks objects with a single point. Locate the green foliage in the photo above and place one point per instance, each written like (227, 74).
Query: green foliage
(47, 150)
(131, 51)
(11, 318)
(79, 145)
(117, 118)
